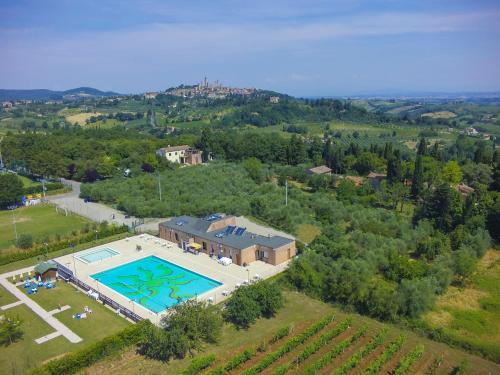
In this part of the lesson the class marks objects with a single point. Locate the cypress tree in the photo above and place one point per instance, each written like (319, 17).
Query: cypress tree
(418, 178)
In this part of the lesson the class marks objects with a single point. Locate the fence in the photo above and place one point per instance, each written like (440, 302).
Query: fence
(66, 274)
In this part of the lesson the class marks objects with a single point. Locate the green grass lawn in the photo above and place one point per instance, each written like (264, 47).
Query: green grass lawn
(25, 354)
(40, 221)
(28, 182)
(472, 314)
(6, 297)
(59, 253)
(100, 324)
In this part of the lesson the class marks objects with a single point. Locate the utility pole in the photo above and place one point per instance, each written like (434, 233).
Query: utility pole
(286, 192)
(159, 186)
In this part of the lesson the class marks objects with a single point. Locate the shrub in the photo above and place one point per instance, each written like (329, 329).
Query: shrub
(25, 241)
(73, 362)
(282, 332)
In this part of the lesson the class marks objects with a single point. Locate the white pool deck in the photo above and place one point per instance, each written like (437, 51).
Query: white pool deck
(230, 276)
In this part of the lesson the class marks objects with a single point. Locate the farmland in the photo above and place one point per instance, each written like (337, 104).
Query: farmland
(322, 338)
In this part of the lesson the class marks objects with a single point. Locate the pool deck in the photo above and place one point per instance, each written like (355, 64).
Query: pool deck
(230, 276)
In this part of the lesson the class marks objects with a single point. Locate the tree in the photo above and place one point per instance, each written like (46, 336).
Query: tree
(11, 189)
(415, 296)
(418, 178)
(242, 310)
(493, 221)
(444, 207)
(189, 325)
(10, 330)
(148, 168)
(464, 263)
(253, 166)
(253, 301)
(394, 169)
(451, 173)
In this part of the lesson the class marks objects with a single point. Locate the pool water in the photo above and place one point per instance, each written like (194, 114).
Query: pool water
(97, 255)
(155, 283)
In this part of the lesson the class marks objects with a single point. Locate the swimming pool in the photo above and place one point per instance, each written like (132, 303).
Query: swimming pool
(97, 255)
(155, 283)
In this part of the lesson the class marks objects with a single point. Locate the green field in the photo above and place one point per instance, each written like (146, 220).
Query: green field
(300, 311)
(472, 314)
(25, 354)
(40, 221)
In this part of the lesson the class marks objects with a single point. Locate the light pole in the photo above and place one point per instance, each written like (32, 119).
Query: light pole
(14, 224)
(133, 308)
(97, 283)
(248, 273)
(95, 234)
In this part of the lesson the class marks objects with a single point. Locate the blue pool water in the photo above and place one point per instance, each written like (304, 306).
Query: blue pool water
(155, 283)
(97, 255)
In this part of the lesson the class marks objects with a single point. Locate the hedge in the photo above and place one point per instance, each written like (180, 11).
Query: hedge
(74, 362)
(55, 246)
(50, 186)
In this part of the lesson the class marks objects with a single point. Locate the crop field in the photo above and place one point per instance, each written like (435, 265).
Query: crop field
(80, 118)
(440, 114)
(322, 340)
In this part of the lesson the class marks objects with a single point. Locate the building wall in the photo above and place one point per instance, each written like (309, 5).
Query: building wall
(222, 223)
(238, 256)
(283, 253)
(193, 158)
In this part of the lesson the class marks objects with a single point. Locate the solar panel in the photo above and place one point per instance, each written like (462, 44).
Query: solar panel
(230, 229)
(240, 231)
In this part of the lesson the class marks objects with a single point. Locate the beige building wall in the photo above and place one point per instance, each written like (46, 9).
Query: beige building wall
(238, 256)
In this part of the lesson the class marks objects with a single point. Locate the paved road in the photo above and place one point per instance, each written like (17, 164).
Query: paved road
(96, 211)
(37, 309)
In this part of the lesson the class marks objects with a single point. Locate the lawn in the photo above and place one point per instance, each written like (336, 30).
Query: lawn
(40, 221)
(300, 311)
(6, 297)
(103, 321)
(25, 354)
(27, 182)
(307, 232)
(472, 314)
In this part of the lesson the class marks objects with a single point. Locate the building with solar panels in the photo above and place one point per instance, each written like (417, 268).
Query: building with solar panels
(218, 235)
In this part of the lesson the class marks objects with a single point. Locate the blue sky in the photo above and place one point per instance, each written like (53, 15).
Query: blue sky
(303, 47)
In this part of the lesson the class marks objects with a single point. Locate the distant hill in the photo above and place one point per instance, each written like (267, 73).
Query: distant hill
(44, 94)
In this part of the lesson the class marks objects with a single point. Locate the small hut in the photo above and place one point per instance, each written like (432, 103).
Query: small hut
(47, 271)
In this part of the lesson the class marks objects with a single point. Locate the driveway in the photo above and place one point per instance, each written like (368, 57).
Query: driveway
(99, 212)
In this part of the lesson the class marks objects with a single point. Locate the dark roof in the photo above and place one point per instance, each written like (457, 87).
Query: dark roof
(198, 227)
(44, 267)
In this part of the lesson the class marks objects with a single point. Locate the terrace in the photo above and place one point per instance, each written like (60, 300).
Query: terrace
(137, 296)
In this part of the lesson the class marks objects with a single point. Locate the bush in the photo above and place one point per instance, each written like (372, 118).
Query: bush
(25, 241)
(282, 332)
(74, 362)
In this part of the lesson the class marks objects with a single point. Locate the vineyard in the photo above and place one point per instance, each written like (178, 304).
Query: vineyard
(329, 346)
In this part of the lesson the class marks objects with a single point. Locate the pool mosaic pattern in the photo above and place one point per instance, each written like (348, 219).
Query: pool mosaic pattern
(155, 283)
(98, 255)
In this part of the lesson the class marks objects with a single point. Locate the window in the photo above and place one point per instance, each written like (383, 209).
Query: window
(176, 237)
(204, 245)
(169, 154)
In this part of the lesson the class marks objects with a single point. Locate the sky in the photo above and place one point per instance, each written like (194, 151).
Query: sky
(299, 47)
